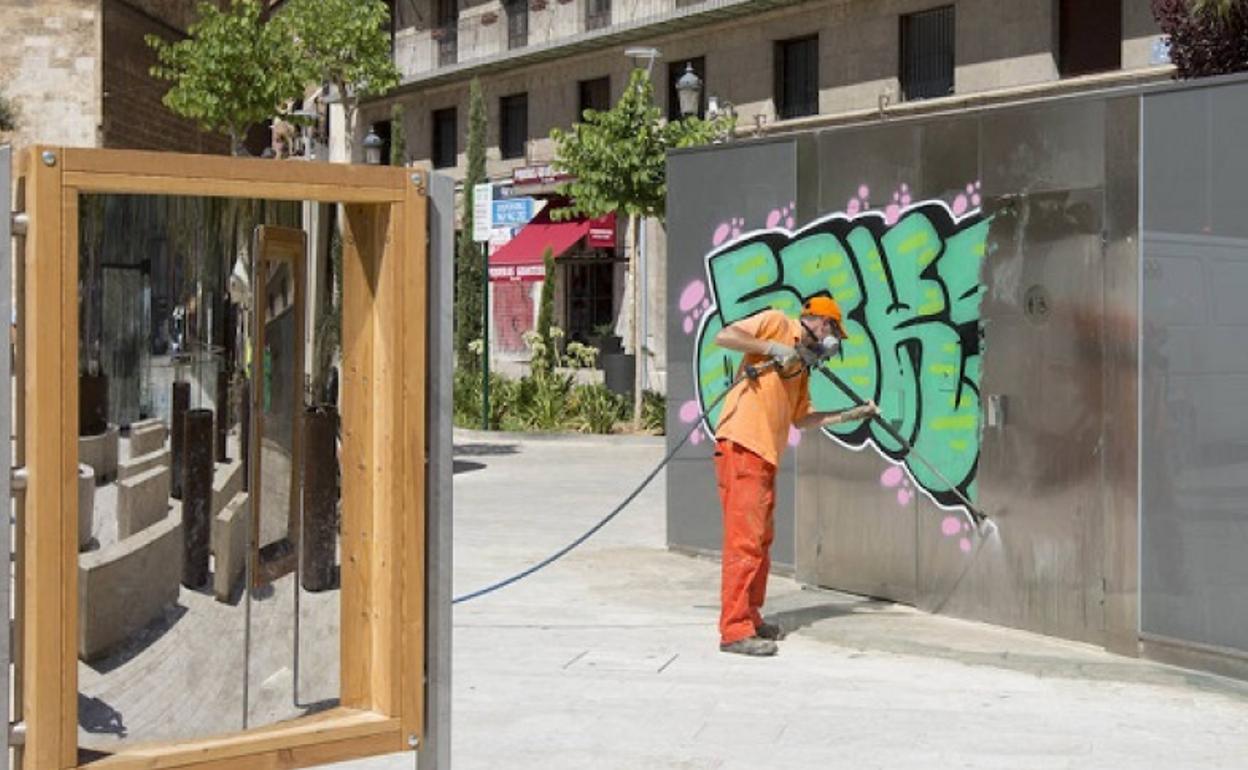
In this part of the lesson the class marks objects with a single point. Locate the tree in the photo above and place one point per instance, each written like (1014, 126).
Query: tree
(544, 361)
(344, 43)
(469, 298)
(231, 72)
(398, 137)
(618, 159)
(1207, 37)
(8, 114)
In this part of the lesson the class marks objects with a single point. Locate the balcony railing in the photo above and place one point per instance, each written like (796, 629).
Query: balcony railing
(479, 35)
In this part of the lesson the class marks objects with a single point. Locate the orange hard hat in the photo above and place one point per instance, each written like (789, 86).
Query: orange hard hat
(824, 307)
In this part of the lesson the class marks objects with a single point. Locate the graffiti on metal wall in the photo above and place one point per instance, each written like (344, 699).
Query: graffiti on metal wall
(907, 277)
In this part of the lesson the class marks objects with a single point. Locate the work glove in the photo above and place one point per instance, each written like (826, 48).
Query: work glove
(781, 353)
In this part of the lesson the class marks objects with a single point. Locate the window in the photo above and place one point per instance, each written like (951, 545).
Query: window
(927, 54)
(595, 95)
(797, 77)
(597, 14)
(445, 134)
(590, 288)
(446, 31)
(675, 71)
(1089, 36)
(517, 23)
(513, 125)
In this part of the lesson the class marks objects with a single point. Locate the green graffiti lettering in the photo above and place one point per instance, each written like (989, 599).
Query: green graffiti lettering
(910, 292)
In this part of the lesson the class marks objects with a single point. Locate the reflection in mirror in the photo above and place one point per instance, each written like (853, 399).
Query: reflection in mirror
(194, 351)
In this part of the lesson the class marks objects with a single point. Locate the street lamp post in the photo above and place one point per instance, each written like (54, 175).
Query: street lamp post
(689, 91)
(372, 147)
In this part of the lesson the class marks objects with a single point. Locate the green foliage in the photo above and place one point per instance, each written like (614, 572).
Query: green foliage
(654, 412)
(344, 42)
(539, 402)
(1207, 37)
(236, 69)
(469, 298)
(8, 114)
(545, 361)
(231, 72)
(398, 137)
(619, 157)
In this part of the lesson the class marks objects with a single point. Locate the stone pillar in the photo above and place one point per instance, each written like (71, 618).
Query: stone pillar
(197, 467)
(181, 402)
(320, 498)
(223, 415)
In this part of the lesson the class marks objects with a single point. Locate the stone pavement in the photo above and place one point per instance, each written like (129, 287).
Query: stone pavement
(609, 658)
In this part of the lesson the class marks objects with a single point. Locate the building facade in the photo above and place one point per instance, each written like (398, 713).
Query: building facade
(78, 73)
(778, 65)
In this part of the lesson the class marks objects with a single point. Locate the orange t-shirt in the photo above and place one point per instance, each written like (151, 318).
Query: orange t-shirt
(758, 413)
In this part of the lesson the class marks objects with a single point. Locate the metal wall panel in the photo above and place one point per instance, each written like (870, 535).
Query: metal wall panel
(711, 194)
(1194, 374)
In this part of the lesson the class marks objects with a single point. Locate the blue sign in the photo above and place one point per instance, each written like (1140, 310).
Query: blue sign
(512, 212)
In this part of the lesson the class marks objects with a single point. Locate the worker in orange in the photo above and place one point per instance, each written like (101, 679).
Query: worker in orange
(752, 434)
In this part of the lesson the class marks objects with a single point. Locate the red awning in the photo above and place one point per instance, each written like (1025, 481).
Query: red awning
(520, 259)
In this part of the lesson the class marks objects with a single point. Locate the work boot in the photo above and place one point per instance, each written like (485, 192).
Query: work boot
(751, 645)
(769, 631)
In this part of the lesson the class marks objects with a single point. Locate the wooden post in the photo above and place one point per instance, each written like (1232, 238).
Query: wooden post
(181, 402)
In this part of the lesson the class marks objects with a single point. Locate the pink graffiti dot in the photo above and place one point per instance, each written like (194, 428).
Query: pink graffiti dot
(696, 438)
(891, 477)
(789, 223)
(853, 207)
(721, 234)
(950, 526)
(773, 218)
(905, 199)
(864, 191)
(959, 205)
(892, 214)
(975, 200)
(795, 436)
(965, 545)
(903, 497)
(970, 188)
(688, 325)
(706, 304)
(966, 527)
(689, 411)
(692, 295)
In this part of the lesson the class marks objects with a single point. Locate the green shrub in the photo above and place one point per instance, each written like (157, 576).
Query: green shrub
(596, 409)
(545, 405)
(654, 412)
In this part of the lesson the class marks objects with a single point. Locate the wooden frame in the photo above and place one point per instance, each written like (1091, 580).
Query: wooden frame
(383, 430)
(288, 246)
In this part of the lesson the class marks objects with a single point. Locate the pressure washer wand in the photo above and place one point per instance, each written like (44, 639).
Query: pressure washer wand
(978, 517)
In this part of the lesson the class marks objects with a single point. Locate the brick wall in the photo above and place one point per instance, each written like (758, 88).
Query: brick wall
(49, 66)
(134, 117)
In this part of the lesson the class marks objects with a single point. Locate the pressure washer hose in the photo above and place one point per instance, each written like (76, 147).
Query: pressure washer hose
(748, 373)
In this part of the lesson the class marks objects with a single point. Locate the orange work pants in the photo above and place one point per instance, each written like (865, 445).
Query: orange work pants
(747, 485)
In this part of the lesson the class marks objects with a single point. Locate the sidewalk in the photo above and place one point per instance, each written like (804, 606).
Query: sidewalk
(609, 659)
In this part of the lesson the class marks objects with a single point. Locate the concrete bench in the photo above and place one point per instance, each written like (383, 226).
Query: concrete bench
(229, 545)
(100, 452)
(227, 481)
(142, 500)
(125, 586)
(140, 464)
(147, 436)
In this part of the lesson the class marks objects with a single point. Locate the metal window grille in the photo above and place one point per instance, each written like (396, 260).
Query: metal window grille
(927, 54)
(797, 77)
(513, 125)
(517, 23)
(597, 14)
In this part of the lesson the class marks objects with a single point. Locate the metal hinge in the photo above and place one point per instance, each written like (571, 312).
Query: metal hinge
(17, 479)
(20, 222)
(17, 734)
